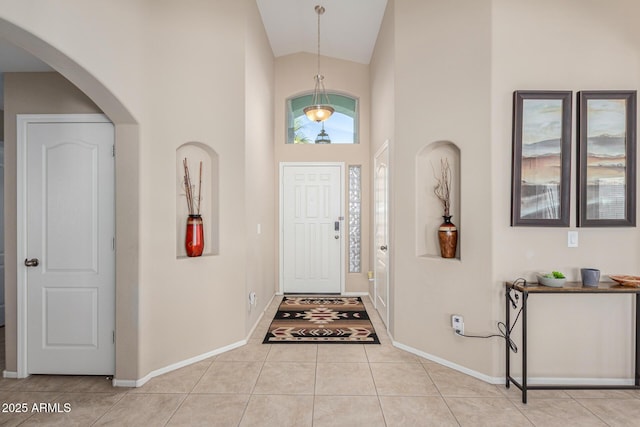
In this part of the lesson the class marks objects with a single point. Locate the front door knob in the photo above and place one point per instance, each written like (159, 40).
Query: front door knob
(33, 262)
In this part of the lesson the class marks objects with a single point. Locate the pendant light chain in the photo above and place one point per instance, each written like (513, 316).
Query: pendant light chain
(320, 108)
(319, 11)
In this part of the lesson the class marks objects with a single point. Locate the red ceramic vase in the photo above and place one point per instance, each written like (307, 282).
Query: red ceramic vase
(448, 237)
(194, 240)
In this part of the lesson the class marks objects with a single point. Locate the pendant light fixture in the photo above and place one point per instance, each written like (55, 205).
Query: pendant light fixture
(323, 137)
(319, 110)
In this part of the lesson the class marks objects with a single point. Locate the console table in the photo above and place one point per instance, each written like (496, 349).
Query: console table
(576, 288)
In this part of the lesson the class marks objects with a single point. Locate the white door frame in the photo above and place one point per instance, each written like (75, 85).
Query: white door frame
(384, 146)
(23, 120)
(281, 220)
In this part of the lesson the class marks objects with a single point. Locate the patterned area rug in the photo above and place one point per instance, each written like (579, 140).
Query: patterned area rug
(321, 319)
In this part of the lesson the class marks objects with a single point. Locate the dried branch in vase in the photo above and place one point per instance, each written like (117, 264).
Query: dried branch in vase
(442, 189)
(193, 204)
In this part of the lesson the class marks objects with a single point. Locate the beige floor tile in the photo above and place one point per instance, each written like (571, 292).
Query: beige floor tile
(558, 412)
(179, 381)
(387, 353)
(344, 379)
(452, 383)
(278, 411)
(515, 394)
(347, 411)
(211, 410)
(96, 384)
(342, 353)
(615, 412)
(142, 409)
(286, 378)
(601, 394)
(25, 400)
(490, 412)
(53, 383)
(75, 409)
(229, 377)
(402, 379)
(251, 352)
(293, 353)
(405, 411)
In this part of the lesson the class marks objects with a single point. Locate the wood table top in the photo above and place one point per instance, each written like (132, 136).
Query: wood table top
(573, 287)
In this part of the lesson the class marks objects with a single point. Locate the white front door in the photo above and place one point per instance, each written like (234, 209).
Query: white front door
(381, 233)
(311, 228)
(67, 252)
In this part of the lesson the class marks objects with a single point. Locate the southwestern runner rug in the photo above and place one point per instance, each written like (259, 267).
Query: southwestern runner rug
(321, 319)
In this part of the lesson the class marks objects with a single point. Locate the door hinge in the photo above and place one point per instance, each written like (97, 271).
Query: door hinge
(113, 150)
(113, 336)
(113, 243)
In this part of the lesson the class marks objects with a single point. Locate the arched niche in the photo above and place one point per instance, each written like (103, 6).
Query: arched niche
(429, 210)
(196, 152)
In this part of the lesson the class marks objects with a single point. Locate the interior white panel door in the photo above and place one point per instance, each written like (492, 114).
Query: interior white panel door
(312, 229)
(2, 307)
(70, 231)
(381, 237)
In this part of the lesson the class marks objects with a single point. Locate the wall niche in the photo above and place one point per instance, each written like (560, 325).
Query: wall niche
(196, 152)
(428, 208)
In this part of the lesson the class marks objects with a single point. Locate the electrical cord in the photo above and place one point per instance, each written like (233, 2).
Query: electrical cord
(502, 327)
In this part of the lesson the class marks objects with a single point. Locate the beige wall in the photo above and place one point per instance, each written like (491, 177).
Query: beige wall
(442, 66)
(294, 76)
(453, 69)
(170, 74)
(259, 168)
(177, 72)
(382, 88)
(28, 93)
(583, 45)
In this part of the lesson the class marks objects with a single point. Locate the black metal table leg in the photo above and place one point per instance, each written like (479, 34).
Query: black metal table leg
(507, 316)
(637, 383)
(524, 347)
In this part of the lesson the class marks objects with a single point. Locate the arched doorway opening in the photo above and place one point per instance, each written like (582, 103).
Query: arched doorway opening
(126, 208)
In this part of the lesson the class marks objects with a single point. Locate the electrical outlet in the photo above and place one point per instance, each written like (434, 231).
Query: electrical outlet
(457, 323)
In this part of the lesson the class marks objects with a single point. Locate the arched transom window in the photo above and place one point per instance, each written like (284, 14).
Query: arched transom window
(340, 128)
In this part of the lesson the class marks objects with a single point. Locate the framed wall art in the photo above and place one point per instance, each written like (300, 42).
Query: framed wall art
(541, 164)
(606, 159)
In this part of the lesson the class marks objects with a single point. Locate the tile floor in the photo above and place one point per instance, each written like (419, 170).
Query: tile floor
(311, 385)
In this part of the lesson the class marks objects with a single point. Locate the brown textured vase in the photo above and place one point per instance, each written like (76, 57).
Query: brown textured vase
(448, 237)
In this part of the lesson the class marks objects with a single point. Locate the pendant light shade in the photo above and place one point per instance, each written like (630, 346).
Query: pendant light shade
(319, 110)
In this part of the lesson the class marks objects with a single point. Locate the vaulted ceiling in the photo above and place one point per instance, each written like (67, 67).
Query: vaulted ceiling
(349, 29)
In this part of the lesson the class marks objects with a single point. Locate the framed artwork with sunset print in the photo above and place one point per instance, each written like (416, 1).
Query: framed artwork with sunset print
(606, 159)
(541, 163)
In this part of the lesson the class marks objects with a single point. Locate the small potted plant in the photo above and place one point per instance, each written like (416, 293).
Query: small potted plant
(447, 232)
(555, 279)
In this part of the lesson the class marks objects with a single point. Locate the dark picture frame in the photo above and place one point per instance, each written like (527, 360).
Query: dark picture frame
(541, 162)
(606, 173)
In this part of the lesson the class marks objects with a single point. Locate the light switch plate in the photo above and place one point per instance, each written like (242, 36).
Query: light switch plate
(572, 239)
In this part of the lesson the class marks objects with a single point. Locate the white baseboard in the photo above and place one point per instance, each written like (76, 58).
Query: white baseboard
(257, 322)
(140, 382)
(575, 381)
(9, 374)
(531, 381)
(355, 294)
(448, 364)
